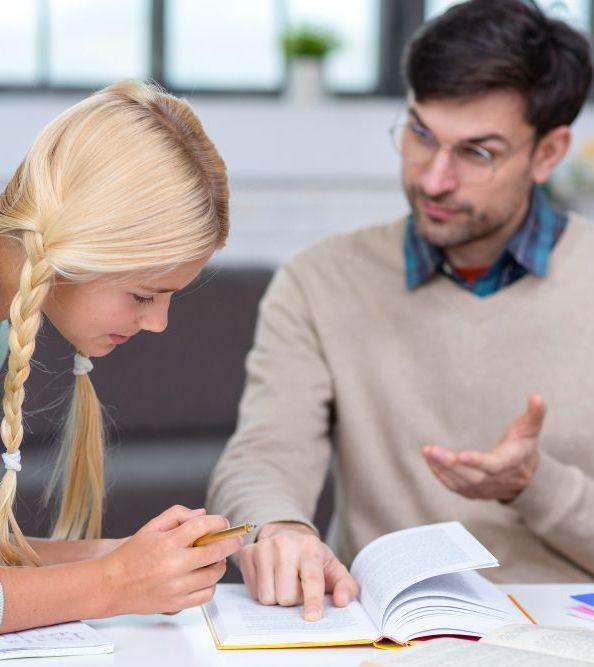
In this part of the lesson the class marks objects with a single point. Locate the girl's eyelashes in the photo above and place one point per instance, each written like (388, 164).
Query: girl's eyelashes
(143, 299)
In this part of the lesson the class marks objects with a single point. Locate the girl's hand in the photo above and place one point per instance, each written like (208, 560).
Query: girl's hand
(158, 570)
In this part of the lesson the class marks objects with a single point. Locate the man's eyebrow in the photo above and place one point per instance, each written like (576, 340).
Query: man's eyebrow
(492, 136)
(487, 137)
(412, 112)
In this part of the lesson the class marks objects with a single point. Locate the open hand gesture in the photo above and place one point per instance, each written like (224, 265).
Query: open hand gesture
(501, 473)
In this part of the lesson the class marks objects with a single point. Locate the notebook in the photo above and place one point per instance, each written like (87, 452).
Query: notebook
(54, 640)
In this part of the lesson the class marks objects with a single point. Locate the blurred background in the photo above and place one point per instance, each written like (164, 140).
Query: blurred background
(305, 158)
(298, 96)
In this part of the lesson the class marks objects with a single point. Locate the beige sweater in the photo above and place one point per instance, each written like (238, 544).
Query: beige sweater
(340, 337)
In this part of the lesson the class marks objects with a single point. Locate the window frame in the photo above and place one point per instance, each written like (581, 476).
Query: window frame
(398, 21)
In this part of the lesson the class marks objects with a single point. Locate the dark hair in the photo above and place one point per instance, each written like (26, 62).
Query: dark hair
(484, 45)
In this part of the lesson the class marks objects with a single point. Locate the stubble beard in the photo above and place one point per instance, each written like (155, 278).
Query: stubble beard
(468, 226)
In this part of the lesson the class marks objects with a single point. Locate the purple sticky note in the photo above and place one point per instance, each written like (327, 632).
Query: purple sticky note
(586, 598)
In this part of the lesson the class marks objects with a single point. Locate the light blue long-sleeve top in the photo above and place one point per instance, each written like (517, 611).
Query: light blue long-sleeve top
(3, 341)
(3, 353)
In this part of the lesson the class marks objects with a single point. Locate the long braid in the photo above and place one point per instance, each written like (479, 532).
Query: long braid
(25, 320)
(79, 467)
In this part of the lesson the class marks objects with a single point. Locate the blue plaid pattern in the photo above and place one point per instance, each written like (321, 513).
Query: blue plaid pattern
(528, 251)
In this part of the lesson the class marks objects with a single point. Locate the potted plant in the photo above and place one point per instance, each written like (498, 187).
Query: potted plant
(305, 48)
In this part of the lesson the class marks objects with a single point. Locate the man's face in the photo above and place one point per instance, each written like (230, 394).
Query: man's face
(450, 209)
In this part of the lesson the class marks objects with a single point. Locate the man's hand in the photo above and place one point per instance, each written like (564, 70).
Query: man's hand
(501, 474)
(290, 565)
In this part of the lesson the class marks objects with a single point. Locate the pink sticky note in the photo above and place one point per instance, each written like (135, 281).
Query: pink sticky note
(583, 611)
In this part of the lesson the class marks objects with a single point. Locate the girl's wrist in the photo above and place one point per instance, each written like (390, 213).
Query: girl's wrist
(104, 572)
(105, 546)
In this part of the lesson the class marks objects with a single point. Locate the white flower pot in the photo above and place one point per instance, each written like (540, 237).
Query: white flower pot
(305, 81)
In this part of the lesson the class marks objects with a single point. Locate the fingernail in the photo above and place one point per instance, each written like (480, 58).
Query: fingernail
(312, 613)
(200, 510)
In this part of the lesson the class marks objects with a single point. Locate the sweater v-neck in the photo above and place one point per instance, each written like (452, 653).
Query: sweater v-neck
(478, 308)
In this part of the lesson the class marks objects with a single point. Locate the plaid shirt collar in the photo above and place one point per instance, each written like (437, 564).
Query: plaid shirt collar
(528, 251)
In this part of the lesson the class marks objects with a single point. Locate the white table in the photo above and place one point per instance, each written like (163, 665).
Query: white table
(185, 641)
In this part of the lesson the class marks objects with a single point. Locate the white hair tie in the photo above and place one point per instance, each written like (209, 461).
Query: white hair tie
(12, 461)
(82, 365)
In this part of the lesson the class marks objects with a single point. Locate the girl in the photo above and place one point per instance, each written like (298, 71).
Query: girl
(119, 203)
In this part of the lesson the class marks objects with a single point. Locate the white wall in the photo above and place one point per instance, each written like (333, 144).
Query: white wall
(297, 173)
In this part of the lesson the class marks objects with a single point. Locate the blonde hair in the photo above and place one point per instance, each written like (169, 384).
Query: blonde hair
(124, 181)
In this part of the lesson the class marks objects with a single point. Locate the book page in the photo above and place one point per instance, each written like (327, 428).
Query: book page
(565, 642)
(388, 565)
(468, 589)
(444, 615)
(241, 621)
(456, 652)
(458, 603)
(63, 639)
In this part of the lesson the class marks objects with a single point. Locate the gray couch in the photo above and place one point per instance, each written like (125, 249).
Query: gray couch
(171, 399)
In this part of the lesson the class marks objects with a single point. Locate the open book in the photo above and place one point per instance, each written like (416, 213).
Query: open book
(64, 639)
(414, 583)
(511, 646)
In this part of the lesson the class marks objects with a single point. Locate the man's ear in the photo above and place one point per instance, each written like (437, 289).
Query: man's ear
(549, 151)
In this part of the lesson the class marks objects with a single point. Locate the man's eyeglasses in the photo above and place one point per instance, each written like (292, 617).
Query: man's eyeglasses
(474, 164)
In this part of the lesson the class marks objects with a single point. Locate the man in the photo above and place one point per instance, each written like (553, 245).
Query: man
(436, 329)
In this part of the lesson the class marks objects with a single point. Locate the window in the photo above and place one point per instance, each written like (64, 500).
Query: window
(203, 45)
(18, 42)
(355, 66)
(233, 44)
(92, 42)
(73, 42)
(223, 44)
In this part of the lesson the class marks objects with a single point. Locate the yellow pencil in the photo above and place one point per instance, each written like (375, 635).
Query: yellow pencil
(230, 532)
(521, 608)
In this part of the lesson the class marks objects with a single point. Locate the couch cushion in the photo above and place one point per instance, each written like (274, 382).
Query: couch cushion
(143, 478)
